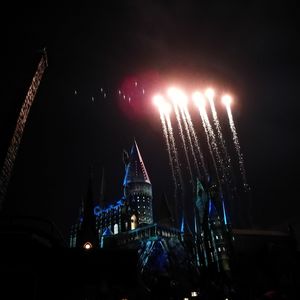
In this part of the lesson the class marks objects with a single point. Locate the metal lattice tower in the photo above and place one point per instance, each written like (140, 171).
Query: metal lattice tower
(10, 158)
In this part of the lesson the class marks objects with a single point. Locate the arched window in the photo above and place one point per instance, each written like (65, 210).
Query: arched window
(133, 222)
(116, 229)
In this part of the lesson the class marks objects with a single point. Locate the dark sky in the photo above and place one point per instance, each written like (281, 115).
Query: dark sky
(250, 50)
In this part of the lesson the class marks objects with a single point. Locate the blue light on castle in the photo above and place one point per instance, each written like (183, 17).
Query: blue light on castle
(163, 247)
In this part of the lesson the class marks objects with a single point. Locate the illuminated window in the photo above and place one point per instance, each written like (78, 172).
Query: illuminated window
(219, 249)
(217, 237)
(194, 294)
(87, 246)
(116, 229)
(133, 221)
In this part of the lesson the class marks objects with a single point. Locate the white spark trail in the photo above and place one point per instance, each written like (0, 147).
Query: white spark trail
(237, 147)
(228, 167)
(203, 116)
(214, 144)
(196, 142)
(173, 148)
(183, 115)
(183, 141)
(165, 132)
(180, 196)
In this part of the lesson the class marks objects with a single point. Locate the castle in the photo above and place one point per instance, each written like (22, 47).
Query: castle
(129, 223)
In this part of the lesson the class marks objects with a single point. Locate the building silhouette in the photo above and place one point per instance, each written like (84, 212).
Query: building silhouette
(166, 252)
(119, 251)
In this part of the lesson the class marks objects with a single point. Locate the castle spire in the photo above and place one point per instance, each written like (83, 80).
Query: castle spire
(138, 188)
(87, 235)
(102, 189)
(135, 168)
(212, 211)
(225, 219)
(201, 200)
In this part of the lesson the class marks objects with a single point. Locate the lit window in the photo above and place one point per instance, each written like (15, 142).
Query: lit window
(87, 246)
(116, 229)
(133, 220)
(217, 237)
(219, 249)
(194, 294)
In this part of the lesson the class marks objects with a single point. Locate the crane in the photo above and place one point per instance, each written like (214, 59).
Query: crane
(12, 151)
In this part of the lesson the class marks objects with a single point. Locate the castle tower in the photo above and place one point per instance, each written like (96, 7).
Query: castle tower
(138, 189)
(218, 240)
(87, 236)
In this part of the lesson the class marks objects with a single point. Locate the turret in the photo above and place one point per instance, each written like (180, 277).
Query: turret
(200, 215)
(217, 236)
(87, 236)
(201, 201)
(138, 189)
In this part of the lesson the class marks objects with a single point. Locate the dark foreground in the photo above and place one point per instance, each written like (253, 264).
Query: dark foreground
(37, 264)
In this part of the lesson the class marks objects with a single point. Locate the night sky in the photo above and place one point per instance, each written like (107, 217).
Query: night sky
(250, 50)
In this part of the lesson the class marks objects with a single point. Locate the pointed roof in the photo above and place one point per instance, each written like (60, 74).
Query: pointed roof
(212, 211)
(87, 230)
(102, 188)
(201, 195)
(135, 169)
(107, 232)
(224, 213)
(201, 200)
(182, 225)
(88, 201)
